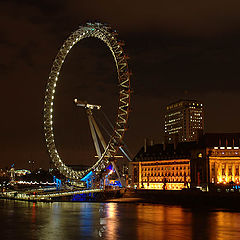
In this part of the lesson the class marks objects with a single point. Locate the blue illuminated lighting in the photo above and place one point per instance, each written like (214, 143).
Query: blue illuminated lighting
(83, 197)
(58, 182)
(110, 167)
(87, 176)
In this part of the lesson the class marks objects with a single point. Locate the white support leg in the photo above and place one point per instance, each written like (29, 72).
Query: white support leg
(94, 136)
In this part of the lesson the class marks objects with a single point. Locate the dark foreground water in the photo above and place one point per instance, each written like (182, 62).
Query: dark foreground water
(50, 221)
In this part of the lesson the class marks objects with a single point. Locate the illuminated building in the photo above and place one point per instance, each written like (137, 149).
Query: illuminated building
(212, 161)
(162, 167)
(224, 165)
(224, 158)
(22, 172)
(184, 121)
(215, 160)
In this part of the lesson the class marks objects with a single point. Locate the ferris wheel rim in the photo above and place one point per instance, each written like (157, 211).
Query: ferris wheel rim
(105, 34)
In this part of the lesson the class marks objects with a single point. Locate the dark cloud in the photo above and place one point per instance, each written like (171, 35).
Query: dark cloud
(181, 18)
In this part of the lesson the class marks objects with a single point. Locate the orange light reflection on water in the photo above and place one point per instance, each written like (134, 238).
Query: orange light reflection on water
(112, 221)
(226, 226)
(34, 213)
(162, 222)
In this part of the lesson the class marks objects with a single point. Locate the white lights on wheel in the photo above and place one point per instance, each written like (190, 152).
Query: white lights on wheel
(99, 31)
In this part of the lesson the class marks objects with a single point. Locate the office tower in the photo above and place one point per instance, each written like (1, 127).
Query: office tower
(184, 121)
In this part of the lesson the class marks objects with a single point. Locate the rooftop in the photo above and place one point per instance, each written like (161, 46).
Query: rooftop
(184, 149)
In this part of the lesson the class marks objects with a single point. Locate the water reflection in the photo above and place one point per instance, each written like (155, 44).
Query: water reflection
(227, 226)
(114, 221)
(70, 221)
(163, 222)
(34, 213)
(101, 230)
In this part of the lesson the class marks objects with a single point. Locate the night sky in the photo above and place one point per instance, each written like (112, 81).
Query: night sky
(177, 49)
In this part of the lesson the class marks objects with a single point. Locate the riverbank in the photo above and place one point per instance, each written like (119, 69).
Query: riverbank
(183, 198)
(190, 198)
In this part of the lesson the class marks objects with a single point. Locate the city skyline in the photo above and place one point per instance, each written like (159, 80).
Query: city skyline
(171, 58)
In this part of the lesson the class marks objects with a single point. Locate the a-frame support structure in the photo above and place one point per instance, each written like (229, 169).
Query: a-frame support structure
(96, 133)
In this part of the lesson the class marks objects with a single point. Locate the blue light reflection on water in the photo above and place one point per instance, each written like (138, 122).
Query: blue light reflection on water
(114, 221)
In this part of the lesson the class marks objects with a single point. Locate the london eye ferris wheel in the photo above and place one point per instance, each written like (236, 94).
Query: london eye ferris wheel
(109, 37)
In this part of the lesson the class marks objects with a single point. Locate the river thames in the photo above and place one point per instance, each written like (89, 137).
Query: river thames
(50, 221)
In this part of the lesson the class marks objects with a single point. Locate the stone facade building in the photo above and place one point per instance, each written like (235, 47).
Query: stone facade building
(212, 161)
